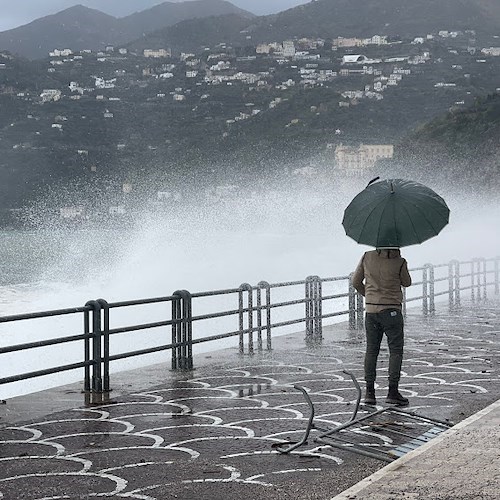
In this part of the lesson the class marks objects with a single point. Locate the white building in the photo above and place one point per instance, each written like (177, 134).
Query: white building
(263, 48)
(347, 42)
(354, 59)
(60, 53)
(48, 95)
(491, 51)
(101, 83)
(157, 53)
(288, 48)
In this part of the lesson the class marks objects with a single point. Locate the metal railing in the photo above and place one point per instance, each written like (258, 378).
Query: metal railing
(255, 311)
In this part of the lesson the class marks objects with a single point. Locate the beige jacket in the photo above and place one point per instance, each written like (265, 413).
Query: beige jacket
(384, 272)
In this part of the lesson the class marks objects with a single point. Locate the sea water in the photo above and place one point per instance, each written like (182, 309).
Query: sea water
(276, 239)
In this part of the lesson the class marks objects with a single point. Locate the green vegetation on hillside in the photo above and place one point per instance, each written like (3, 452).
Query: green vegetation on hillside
(463, 144)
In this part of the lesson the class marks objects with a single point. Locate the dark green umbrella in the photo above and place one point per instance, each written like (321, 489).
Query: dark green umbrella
(395, 213)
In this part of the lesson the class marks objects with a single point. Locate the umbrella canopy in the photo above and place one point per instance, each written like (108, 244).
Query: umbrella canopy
(395, 213)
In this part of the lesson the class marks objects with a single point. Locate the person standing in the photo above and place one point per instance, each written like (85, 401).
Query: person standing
(379, 277)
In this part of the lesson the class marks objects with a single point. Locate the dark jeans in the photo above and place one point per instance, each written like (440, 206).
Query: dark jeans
(390, 322)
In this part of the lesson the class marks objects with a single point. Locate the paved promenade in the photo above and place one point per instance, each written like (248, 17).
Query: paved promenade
(212, 433)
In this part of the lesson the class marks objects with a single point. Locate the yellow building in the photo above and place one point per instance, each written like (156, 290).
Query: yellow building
(356, 161)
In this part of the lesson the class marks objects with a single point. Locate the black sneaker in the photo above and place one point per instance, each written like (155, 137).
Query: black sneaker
(395, 398)
(370, 398)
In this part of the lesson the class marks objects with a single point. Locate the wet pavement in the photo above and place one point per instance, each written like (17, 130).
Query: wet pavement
(212, 433)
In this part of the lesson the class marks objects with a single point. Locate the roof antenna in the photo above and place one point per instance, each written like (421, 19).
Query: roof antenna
(372, 181)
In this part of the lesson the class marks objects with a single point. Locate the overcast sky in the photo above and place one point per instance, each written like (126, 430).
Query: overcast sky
(15, 13)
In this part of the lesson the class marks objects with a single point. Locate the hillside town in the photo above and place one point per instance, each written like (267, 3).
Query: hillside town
(227, 87)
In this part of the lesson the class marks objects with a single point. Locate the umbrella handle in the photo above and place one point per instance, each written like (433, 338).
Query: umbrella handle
(373, 180)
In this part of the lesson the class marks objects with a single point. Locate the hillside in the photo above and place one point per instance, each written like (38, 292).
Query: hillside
(88, 125)
(345, 18)
(77, 27)
(194, 34)
(169, 14)
(81, 28)
(464, 144)
(332, 18)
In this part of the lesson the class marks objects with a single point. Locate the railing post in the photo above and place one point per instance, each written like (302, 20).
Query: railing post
(314, 310)
(176, 330)
(105, 334)
(497, 281)
(245, 287)
(318, 310)
(360, 321)
(264, 285)
(352, 304)
(182, 331)
(86, 330)
(485, 277)
(96, 377)
(473, 280)
(478, 278)
(309, 296)
(425, 292)
(430, 288)
(451, 281)
(457, 283)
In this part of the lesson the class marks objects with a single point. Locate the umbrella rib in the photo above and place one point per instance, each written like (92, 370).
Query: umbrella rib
(384, 200)
(387, 202)
(425, 216)
(411, 221)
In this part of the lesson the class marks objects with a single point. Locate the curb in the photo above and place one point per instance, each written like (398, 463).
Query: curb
(350, 494)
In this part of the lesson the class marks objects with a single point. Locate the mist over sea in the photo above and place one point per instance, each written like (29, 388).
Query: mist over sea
(274, 236)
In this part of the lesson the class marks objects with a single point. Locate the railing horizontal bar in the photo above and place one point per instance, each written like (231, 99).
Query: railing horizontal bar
(44, 343)
(331, 315)
(445, 292)
(146, 326)
(140, 302)
(337, 296)
(287, 283)
(287, 303)
(44, 314)
(41, 373)
(287, 323)
(141, 352)
(215, 292)
(221, 336)
(438, 266)
(414, 298)
(336, 278)
(220, 314)
(445, 278)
